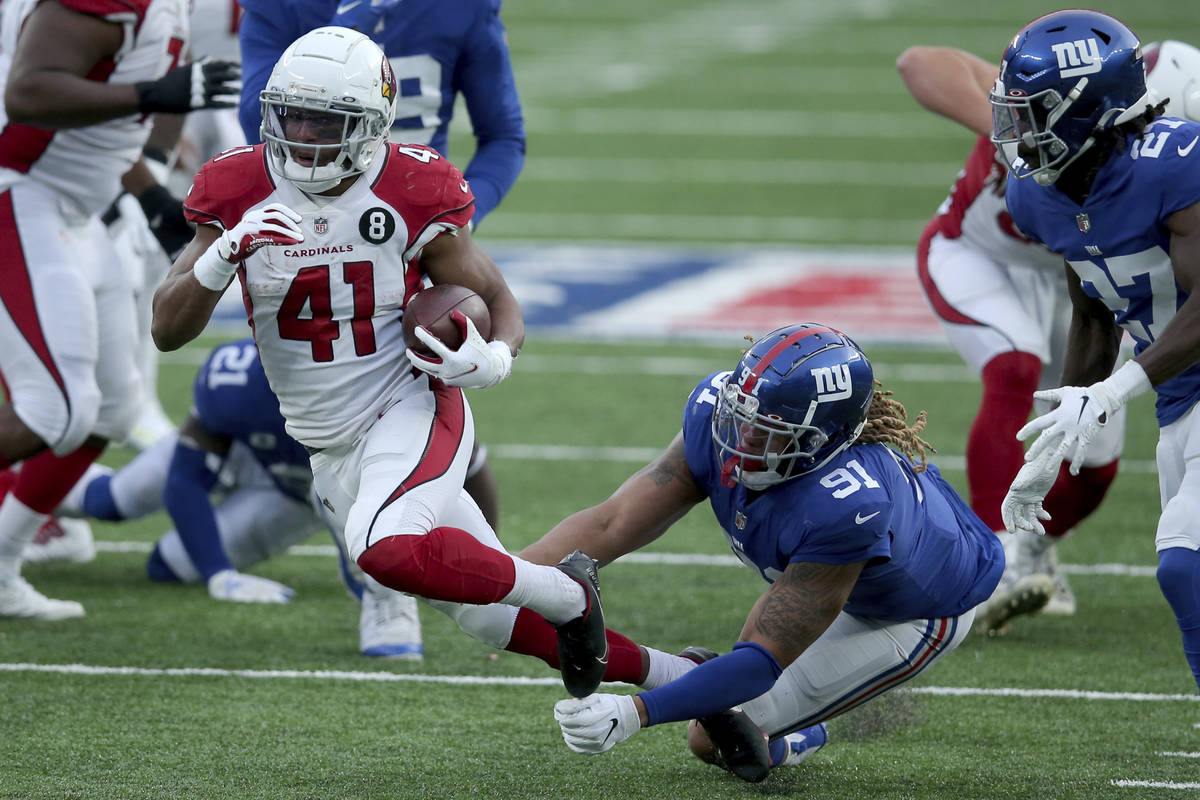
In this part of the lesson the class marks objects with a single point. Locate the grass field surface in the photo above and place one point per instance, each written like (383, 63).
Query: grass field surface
(780, 122)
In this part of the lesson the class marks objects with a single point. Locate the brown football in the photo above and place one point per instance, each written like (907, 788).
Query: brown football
(430, 308)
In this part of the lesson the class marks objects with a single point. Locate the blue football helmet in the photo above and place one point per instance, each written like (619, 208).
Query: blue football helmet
(1064, 78)
(798, 397)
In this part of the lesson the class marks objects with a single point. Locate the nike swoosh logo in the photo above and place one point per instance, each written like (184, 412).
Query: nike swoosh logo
(342, 9)
(463, 184)
(612, 728)
(860, 519)
(1183, 151)
(1083, 405)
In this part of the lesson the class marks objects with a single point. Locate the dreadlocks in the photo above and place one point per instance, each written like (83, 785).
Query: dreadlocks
(887, 423)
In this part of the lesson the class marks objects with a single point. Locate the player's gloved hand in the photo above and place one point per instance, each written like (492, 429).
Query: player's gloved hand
(1075, 421)
(272, 224)
(363, 15)
(239, 587)
(595, 723)
(1022, 509)
(476, 364)
(165, 215)
(201, 84)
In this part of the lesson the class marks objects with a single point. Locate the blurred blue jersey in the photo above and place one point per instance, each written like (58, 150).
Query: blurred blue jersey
(1118, 241)
(437, 48)
(928, 555)
(232, 399)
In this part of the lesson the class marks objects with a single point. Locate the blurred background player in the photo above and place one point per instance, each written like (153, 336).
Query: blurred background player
(1003, 301)
(81, 81)
(239, 491)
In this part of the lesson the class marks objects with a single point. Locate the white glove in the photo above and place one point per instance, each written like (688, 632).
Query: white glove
(595, 723)
(1070, 427)
(1022, 507)
(238, 587)
(476, 364)
(273, 224)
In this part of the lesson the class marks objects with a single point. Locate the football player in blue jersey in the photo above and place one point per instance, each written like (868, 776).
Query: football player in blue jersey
(874, 563)
(437, 50)
(233, 447)
(1116, 190)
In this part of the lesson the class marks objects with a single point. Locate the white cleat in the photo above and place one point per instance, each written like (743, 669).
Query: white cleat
(1039, 554)
(20, 600)
(61, 539)
(389, 626)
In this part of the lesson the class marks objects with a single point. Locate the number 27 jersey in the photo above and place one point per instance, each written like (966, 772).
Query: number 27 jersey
(326, 313)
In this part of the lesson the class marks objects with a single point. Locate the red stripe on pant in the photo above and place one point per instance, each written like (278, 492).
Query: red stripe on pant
(533, 636)
(441, 446)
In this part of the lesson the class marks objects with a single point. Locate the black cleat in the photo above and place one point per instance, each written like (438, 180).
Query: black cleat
(582, 642)
(698, 654)
(741, 745)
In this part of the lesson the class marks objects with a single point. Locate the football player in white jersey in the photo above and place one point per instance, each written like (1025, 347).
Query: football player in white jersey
(81, 79)
(1003, 301)
(330, 231)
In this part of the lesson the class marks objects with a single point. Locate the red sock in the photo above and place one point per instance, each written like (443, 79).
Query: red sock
(444, 564)
(1073, 497)
(45, 479)
(533, 636)
(8, 479)
(994, 456)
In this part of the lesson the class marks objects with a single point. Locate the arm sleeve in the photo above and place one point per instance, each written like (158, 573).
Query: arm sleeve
(262, 38)
(490, 92)
(190, 478)
(744, 674)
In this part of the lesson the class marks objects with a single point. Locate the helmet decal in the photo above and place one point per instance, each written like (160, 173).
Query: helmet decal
(387, 80)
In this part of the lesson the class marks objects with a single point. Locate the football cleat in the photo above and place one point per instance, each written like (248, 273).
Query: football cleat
(19, 599)
(582, 641)
(1026, 595)
(61, 539)
(1039, 555)
(741, 745)
(803, 745)
(389, 626)
(698, 654)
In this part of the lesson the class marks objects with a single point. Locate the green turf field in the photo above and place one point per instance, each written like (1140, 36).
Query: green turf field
(290, 710)
(776, 122)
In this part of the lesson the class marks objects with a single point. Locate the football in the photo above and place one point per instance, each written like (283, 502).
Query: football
(430, 308)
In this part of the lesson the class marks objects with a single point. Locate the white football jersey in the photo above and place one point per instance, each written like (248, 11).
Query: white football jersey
(326, 313)
(215, 29)
(975, 211)
(86, 164)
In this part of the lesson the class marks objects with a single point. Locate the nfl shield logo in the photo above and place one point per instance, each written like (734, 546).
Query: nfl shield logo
(321, 225)
(1083, 222)
(739, 520)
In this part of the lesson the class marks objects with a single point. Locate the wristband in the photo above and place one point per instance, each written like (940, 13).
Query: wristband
(211, 271)
(505, 356)
(1128, 382)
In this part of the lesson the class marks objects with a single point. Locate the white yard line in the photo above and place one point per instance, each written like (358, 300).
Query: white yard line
(643, 559)
(1169, 754)
(1155, 785)
(482, 680)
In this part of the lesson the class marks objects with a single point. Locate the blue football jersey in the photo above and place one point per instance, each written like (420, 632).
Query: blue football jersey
(928, 555)
(232, 399)
(437, 49)
(1118, 241)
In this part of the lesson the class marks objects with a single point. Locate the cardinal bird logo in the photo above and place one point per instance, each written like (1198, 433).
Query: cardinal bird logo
(387, 80)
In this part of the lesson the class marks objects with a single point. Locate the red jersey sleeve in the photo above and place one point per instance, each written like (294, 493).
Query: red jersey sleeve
(425, 188)
(227, 185)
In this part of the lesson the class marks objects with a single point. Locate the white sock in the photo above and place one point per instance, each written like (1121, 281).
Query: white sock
(546, 590)
(665, 668)
(18, 525)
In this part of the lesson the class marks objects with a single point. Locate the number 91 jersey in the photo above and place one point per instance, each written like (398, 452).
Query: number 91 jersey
(326, 313)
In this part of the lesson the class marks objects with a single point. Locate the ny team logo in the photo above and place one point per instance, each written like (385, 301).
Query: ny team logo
(833, 383)
(1080, 57)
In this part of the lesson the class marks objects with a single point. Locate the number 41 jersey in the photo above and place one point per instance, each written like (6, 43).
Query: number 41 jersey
(326, 312)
